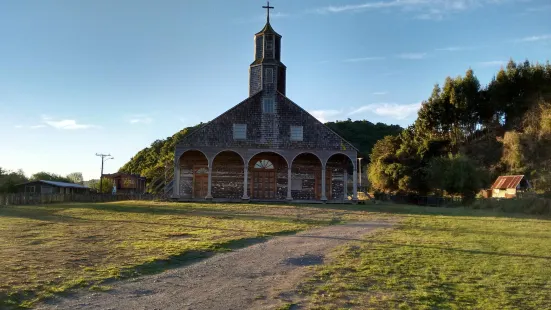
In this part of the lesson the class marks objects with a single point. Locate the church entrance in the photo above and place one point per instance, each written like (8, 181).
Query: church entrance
(264, 184)
(200, 182)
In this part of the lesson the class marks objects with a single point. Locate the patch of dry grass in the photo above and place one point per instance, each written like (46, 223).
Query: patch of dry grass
(50, 249)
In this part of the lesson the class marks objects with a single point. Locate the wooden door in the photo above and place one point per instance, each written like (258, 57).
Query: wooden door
(263, 185)
(200, 181)
(328, 179)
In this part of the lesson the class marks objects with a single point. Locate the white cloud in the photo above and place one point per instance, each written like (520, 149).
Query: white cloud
(363, 59)
(454, 49)
(412, 56)
(423, 9)
(380, 93)
(65, 124)
(325, 116)
(140, 119)
(37, 126)
(492, 63)
(393, 110)
(536, 38)
(19, 126)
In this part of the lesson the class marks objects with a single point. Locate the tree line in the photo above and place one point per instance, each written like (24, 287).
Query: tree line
(466, 135)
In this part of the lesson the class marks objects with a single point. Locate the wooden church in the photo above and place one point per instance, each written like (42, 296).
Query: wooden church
(266, 148)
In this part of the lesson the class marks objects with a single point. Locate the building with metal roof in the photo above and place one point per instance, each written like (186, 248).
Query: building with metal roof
(52, 187)
(508, 186)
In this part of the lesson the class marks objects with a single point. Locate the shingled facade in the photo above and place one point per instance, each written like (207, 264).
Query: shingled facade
(266, 147)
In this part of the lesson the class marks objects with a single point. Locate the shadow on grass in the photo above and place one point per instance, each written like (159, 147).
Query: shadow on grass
(49, 213)
(413, 210)
(397, 245)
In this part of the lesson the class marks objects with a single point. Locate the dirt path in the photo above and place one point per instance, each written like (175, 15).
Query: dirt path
(248, 278)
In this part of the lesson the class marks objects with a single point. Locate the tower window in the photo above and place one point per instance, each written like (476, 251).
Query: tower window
(239, 131)
(296, 133)
(268, 105)
(269, 75)
(269, 42)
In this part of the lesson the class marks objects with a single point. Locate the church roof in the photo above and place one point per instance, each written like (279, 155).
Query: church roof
(267, 30)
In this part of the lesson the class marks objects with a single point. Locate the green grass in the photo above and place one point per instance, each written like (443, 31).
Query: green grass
(51, 249)
(440, 259)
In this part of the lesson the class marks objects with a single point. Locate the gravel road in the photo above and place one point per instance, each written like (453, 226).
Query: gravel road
(256, 277)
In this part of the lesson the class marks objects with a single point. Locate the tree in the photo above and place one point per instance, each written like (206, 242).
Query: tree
(47, 176)
(107, 186)
(457, 175)
(10, 179)
(75, 177)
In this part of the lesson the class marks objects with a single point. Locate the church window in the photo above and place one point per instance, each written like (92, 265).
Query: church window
(269, 42)
(239, 131)
(296, 133)
(202, 170)
(268, 105)
(264, 164)
(269, 75)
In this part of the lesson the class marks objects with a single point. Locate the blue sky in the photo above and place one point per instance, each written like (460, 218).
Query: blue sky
(111, 76)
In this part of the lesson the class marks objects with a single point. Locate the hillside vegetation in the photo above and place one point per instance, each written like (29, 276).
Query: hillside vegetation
(466, 135)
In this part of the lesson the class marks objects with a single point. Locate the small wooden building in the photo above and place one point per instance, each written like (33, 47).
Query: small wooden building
(44, 187)
(127, 183)
(508, 186)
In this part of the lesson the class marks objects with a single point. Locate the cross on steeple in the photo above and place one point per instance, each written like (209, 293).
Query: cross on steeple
(268, 8)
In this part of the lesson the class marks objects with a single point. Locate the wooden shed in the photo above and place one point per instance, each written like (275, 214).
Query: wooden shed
(51, 187)
(508, 186)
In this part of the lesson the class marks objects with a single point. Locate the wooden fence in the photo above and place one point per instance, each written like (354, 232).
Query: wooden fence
(35, 199)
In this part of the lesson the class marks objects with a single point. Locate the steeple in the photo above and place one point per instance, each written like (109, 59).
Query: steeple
(267, 72)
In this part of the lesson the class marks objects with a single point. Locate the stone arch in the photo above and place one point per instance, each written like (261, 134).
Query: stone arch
(306, 173)
(267, 181)
(193, 165)
(341, 168)
(227, 175)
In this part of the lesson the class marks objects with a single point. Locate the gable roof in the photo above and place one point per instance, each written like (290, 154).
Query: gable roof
(331, 130)
(59, 184)
(507, 181)
(250, 99)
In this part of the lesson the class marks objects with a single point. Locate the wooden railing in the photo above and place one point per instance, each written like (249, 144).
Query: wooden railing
(34, 199)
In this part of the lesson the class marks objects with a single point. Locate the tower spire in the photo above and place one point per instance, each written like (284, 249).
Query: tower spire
(268, 8)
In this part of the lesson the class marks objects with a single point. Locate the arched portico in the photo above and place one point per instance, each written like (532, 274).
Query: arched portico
(341, 168)
(307, 177)
(266, 177)
(191, 175)
(227, 175)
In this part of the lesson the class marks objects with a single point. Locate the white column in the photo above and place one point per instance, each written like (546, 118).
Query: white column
(245, 182)
(289, 183)
(209, 189)
(355, 184)
(176, 181)
(345, 183)
(323, 171)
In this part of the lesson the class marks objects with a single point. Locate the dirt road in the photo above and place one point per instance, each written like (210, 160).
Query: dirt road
(256, 277)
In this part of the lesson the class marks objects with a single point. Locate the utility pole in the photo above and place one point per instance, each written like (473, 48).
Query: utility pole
(360, 174)
(104, 158)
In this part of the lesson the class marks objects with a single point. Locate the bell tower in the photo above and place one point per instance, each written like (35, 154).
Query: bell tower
(267, 72)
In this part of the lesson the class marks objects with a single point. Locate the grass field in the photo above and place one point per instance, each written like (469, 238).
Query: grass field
(433, 258)
(461, 260)
(50, 249)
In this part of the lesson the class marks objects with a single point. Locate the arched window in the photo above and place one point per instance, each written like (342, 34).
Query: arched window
(264, 164)
(202, 171)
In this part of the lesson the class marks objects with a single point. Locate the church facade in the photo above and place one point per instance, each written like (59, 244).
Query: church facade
(266, 148)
